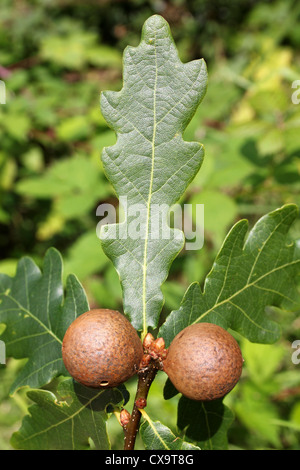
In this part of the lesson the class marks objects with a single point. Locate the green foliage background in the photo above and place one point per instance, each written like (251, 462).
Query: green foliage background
(55, 58)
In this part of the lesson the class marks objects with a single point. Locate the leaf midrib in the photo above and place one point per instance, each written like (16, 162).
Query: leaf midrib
(207, 426)
(149, 198)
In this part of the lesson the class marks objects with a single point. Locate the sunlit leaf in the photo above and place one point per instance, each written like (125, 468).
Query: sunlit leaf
(150, 164)
(156, 436)
(248, 275)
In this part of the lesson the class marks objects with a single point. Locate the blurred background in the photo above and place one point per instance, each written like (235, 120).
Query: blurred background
(55, 58)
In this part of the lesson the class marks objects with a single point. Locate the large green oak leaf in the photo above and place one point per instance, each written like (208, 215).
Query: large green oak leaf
(67, 419)
(248, 275)
(36, 314)
(150, 165)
